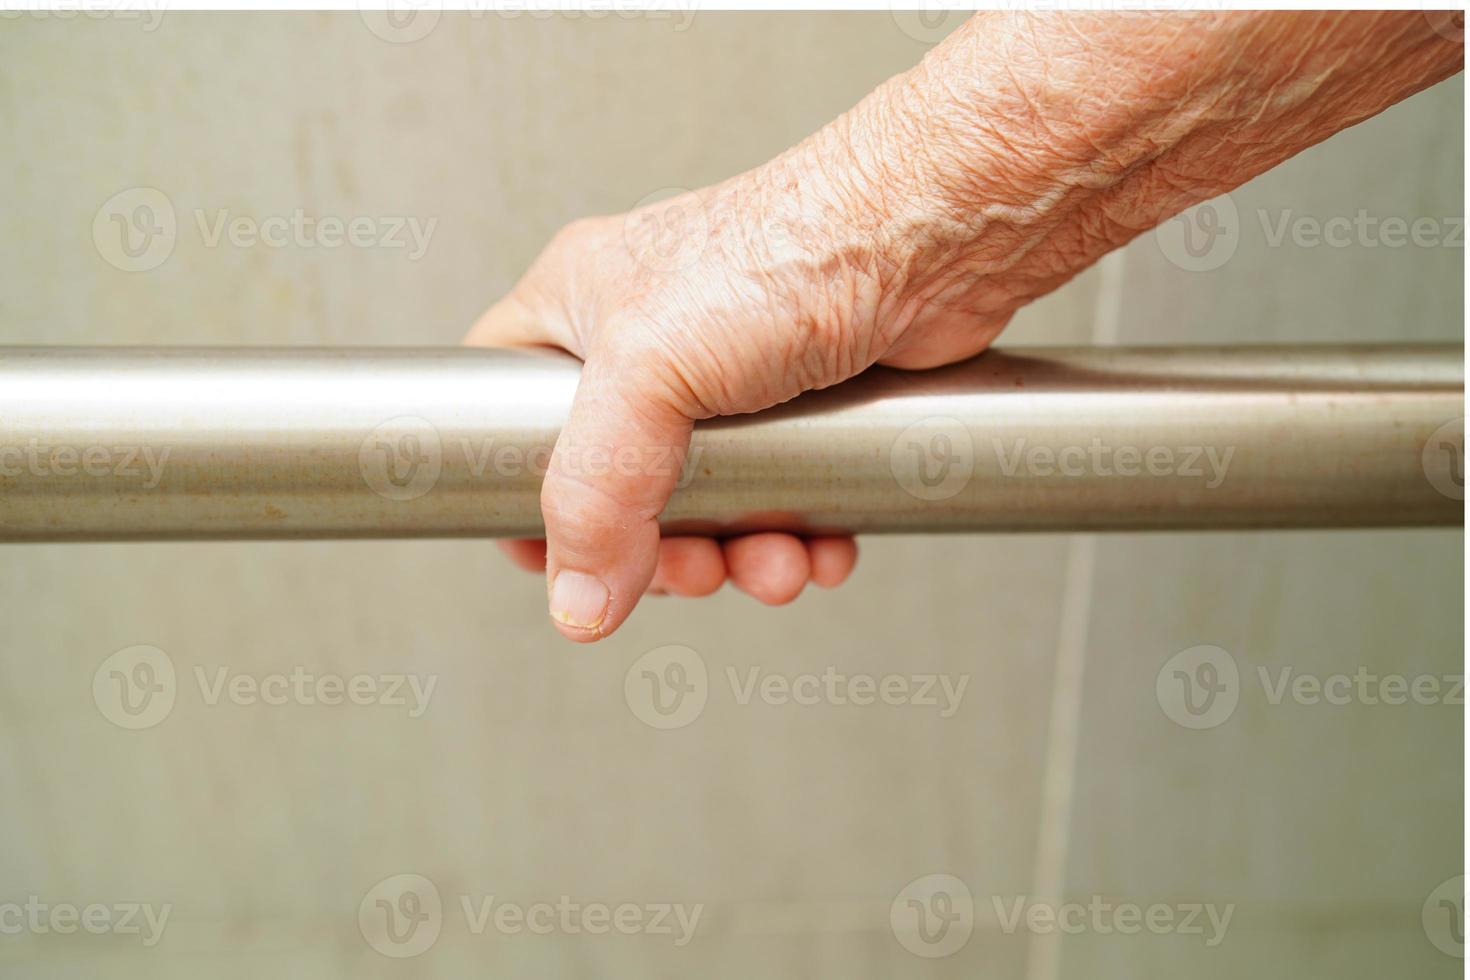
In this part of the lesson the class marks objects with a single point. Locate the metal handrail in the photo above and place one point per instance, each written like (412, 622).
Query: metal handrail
(158, 443)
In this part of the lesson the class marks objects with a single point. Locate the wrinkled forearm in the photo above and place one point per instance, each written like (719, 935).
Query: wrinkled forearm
(906, 232)
(1028, 145)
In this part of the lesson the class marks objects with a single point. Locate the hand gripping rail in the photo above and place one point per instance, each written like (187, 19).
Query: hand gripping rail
(153, 444)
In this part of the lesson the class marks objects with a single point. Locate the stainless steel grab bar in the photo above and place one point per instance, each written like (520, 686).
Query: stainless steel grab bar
(155, 443)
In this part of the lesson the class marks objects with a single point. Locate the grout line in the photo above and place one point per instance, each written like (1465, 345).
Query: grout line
(1049, 876)
(1108, 312)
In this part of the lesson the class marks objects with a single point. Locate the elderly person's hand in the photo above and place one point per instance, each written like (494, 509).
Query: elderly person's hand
(907, 233)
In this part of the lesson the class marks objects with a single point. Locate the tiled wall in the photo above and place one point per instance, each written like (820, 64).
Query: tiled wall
(1321, 830)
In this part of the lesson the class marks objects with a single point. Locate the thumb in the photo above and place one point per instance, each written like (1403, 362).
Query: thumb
(614, 467)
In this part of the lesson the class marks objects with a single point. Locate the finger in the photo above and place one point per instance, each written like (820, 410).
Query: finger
(615, 464)
(770, 567)
(832, 559)
(949, 339)
(512, 323)
(526, 553)
(689, 567)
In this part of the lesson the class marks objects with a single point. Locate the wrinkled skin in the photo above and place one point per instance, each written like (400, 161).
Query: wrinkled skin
(907, 232)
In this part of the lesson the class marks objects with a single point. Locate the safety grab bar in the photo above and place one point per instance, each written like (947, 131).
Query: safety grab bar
(210, 443)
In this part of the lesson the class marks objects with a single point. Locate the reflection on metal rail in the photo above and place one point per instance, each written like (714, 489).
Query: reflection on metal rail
(150, 443)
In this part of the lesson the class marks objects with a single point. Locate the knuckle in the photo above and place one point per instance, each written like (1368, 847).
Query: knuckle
(577, 508)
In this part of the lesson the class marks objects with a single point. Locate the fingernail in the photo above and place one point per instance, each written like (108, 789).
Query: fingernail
(578, 599)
